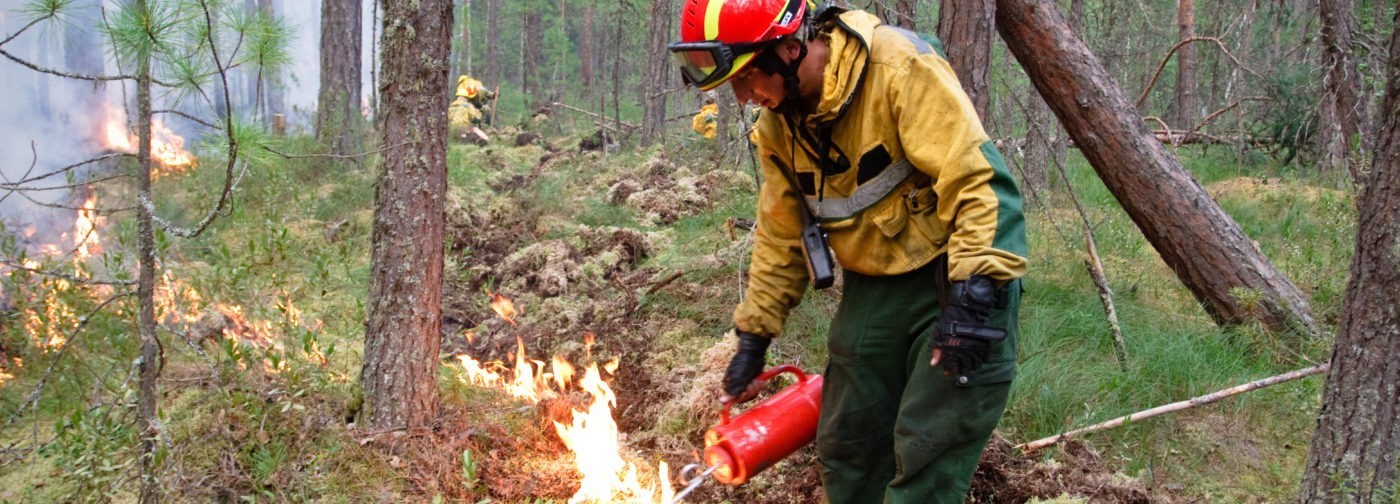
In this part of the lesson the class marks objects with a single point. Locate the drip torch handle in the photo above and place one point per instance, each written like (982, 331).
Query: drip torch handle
(765, 376)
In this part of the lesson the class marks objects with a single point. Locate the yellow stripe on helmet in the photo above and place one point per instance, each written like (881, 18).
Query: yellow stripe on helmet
(712, 19)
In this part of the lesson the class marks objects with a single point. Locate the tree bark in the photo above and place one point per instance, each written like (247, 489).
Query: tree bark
(966, 29)
(1357, 442)
(493, 43)
(402, 338)
(464, 59)
(338, 119)
(1195, 237)
(656, 72)
(1341, 114)
(152, 355)
(531, 55)
(1039, 149)
(1185, 66)
(905, 14)
(585, 49)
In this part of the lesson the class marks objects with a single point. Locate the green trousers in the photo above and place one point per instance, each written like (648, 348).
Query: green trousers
(894, 429)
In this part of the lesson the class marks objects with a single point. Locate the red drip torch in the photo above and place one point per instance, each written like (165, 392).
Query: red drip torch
(739, 448)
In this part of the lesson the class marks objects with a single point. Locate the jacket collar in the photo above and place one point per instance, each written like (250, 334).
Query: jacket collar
(847, 37)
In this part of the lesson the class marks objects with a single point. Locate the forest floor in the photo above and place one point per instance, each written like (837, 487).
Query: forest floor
(633, 260)
(569, 279)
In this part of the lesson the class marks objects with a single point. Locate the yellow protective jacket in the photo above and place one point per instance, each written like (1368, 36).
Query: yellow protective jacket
(706, 120)
(910, 174)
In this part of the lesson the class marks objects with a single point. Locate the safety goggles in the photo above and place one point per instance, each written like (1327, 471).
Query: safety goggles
(708, 64)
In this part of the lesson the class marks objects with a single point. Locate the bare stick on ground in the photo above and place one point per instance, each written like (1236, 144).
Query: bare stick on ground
(1176, 406)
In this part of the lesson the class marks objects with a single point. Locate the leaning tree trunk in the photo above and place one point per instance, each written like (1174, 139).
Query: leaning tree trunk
(402, 338)
(966, 29)
(1357, 441)
(338, 104)
(1196, 238)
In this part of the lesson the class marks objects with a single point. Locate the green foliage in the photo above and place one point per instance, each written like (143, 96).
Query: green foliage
(1292, 120)
(92, 451)
(469, 470)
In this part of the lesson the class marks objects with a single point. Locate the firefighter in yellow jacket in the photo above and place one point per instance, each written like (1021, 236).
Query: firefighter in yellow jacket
(470, 107)
(869, 143)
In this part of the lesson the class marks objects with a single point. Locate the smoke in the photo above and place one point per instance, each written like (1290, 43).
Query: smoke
(50, 122)
(303, 81)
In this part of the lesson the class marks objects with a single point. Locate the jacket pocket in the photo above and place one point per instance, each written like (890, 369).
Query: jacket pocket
(921, 203)
(891, 217)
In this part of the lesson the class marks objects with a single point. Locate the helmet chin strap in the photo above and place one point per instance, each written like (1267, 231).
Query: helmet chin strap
(768, 62)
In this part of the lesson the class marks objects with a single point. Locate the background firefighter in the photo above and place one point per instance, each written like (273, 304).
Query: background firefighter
(471, 109)
(868, 135)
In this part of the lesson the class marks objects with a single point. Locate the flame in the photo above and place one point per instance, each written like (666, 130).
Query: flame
(503, 307)
(167, 148)
(526, 381)
(49, 323)
(85, 240)
(176, 302)
(591, 434)
(117, 138)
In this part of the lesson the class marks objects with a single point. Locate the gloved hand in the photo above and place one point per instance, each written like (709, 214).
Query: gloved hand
(746, 364)
(963, 337)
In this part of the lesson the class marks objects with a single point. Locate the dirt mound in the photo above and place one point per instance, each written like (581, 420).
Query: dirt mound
(1004, 475)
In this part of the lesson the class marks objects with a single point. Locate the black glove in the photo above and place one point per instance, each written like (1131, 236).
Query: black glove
(746, 364)
(963, 337)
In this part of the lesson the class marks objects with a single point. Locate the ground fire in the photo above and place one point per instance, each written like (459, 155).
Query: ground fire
(167, 148)
(590, 434)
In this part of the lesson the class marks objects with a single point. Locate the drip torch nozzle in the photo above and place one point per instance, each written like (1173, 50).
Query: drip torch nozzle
(691, 482)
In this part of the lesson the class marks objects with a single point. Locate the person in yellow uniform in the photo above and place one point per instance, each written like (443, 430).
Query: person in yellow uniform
(706, 121)
(870, 150)
(470, 108)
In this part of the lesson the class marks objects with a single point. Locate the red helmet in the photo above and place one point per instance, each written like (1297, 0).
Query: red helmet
(720, 37)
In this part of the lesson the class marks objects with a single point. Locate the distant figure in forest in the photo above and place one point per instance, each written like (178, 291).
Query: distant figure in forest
(706, 121)
(470, 110)
(870, 149)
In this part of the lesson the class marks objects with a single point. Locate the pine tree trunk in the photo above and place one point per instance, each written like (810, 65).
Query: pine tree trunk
(152, 355)
(493, 42)
(338, 119)
(467, 38)
(1185, 104)
(966, 29)
(1357, 442)
(906, 12)
(402, 337)
(531, 56)
(1341, 114)
(1039, 150)
(1198, 240)
(585, 50)
(656, 72)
